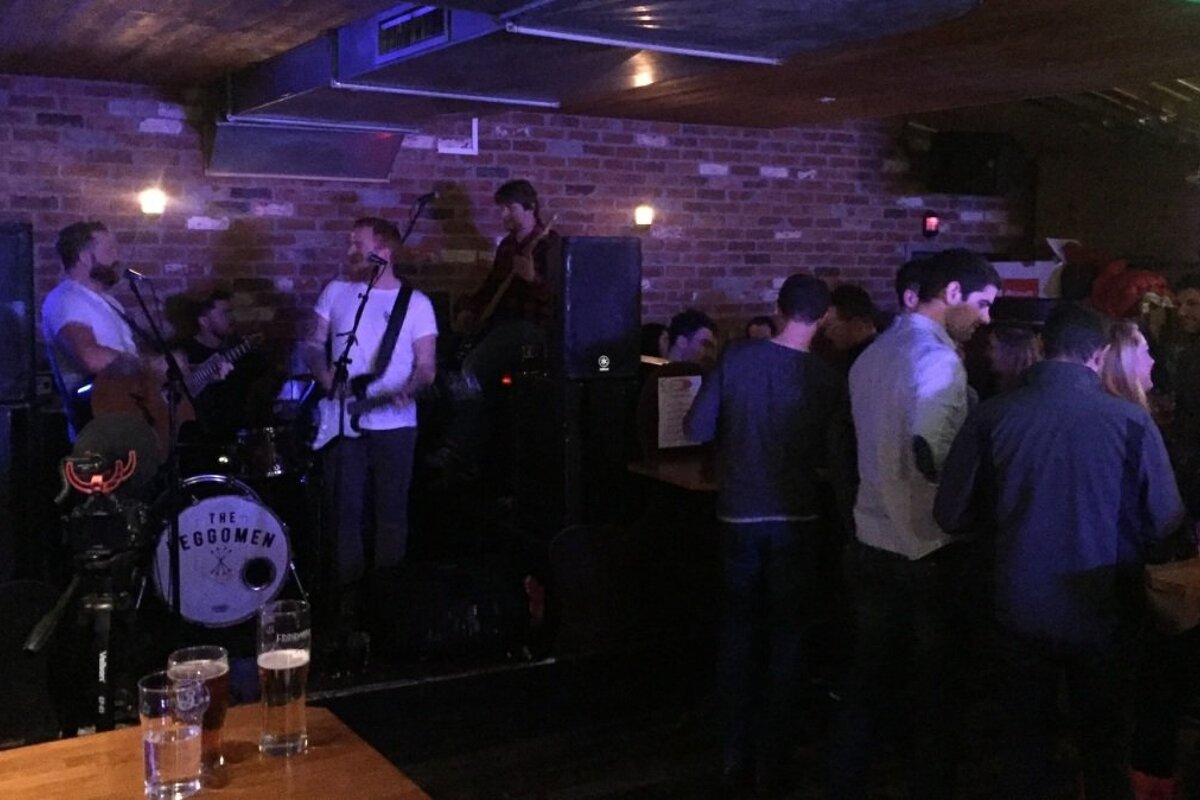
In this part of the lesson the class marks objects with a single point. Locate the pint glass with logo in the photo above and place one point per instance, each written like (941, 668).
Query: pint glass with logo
(284, 648)
(209, 664)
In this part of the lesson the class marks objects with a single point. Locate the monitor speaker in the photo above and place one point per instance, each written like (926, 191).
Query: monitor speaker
(976, 164)
(597, 322)
(16, 312)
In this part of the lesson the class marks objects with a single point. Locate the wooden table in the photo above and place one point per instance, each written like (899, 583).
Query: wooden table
(106, 766)
(688, 470)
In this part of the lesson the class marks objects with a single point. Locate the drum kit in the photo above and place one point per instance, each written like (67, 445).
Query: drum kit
(228, 510)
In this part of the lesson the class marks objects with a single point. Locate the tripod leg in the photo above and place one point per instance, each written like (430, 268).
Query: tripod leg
(101, 638)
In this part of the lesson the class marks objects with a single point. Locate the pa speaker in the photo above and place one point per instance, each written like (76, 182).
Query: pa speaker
(976, 164)
(597, 322)
(16, 312)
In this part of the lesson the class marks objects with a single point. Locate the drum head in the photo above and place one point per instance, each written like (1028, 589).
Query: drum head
(233, 557)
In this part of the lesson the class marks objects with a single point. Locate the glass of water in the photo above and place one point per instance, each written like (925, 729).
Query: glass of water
(284, 648)
(172, 714)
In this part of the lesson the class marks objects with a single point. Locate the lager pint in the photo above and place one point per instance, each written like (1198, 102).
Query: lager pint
(284, 645)
(209, 664)
(283, 676)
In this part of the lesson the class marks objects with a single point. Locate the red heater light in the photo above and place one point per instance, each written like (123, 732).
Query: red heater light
(930, 225)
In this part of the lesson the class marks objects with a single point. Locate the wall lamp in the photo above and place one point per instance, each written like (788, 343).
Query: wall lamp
(643, 216)
(153, 201)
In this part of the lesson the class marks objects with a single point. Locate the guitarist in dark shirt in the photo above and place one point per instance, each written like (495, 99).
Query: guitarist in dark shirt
(502, 321)
(225, 392)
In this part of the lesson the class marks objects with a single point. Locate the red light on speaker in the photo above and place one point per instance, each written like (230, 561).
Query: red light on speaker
(930, 225)
(506, 379)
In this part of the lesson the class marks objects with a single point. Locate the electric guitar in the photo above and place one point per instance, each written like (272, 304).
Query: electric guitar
(335, 416)
(473, 337)
(209, 371)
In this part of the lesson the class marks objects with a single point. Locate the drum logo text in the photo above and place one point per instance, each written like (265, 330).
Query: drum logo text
(256, 537)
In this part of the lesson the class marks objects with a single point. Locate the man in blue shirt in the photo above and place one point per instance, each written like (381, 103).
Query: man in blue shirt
(768, 404)
(1072, 485)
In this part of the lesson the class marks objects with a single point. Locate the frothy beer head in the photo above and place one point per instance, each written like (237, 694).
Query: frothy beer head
(282, 659)
(197, 670)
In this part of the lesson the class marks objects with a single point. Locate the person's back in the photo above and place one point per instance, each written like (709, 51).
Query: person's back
(1070, 485)
(1072, 465)
(776, 404)
(1074, 483)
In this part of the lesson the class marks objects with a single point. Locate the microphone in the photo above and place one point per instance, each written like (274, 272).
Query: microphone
(134, 275)
(376, 262)
(428, 197)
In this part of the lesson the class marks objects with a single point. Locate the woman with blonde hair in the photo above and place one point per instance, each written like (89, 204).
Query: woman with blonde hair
(1166, 662)
(1127, 364)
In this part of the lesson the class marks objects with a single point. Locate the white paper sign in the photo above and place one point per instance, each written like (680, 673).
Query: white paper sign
(675, 396)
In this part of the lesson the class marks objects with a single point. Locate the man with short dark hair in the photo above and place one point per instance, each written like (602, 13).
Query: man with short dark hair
(693, 338)
(85, 328)
(1074, 485)
(767, 403)
(908, 396)
(851, 325)
(231, 398)
(503, 321)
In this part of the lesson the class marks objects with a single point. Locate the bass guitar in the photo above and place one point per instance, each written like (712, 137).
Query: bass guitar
(479, 328)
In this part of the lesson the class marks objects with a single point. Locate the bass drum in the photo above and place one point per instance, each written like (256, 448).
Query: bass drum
(233, 553)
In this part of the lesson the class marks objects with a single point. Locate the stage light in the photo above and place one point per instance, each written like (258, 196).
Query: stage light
(643, 216)
(153, 201)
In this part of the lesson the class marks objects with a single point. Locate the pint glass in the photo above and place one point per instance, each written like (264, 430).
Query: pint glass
(284, 646)
(171, 714)
(210, 664)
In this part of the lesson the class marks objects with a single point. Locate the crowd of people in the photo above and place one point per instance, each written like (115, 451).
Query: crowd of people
(994, 527)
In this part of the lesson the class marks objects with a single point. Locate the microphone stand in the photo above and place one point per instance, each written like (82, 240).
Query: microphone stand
(176, 390)
(339, 391)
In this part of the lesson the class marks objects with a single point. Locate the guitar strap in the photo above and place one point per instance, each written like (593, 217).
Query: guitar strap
(387, 345)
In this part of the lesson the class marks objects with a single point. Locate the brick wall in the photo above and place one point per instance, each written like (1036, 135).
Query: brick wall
(738, 209)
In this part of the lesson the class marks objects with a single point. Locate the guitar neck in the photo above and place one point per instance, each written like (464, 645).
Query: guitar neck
(204, 374)
(490, 308)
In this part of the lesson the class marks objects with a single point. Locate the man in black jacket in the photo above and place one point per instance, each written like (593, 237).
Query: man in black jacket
(1073, 485)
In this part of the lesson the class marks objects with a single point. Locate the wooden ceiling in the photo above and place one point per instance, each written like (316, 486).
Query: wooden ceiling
(1004, 51)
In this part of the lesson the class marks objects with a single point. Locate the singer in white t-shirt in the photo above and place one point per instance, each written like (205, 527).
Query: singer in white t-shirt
(84, 327)
(381, 458)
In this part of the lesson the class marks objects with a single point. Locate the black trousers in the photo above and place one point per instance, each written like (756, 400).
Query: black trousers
(377, 465)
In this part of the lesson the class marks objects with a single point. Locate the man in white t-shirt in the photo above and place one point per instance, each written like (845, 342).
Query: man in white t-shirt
(84, 327)
(383, 455)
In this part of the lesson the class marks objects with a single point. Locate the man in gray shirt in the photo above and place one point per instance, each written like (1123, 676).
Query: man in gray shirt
(908, 397)
(768, 404)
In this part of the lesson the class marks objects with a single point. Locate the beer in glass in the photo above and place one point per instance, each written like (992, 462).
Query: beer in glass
(171, 713)
(284, 648)
(210, 664)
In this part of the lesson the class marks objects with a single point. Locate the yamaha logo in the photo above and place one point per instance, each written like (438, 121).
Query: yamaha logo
(604, 362)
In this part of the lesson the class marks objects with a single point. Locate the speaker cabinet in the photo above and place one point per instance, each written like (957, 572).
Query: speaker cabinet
(16, 312)
(976, 164)
(597, 322)
(570, 446)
